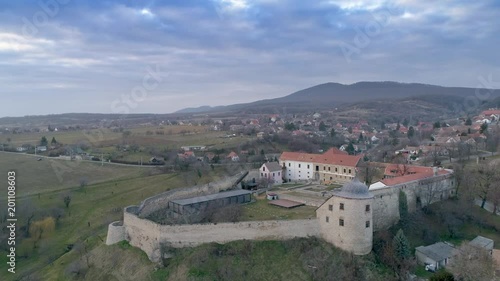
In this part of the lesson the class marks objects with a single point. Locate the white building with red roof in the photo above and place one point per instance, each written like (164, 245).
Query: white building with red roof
(332, 166)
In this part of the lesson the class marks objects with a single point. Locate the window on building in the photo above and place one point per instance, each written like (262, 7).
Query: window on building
(279, 174)
(336, 169)
(317, 168)
(324, 168)
(327, 219)
(299, 165)
(330, 207)
(344, 171)
(331, 178)
(289, 164)
(264, 168)
(349, 171)
(308, 166)
(273, 174)
(367, 224)
(328, 168)
(367, 208)
(341, 222)
(341, 206)
(261, 174)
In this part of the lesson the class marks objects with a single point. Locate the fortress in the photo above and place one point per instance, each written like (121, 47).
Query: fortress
(347, 219)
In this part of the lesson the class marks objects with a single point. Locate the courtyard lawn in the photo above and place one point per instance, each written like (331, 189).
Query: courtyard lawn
(262, 210)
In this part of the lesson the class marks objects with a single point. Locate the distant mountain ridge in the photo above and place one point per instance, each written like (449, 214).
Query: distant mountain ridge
(334, 94)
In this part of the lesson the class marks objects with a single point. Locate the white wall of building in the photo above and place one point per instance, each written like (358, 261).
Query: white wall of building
(298, 171)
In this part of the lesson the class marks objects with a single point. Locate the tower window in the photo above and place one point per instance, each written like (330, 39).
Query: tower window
(330, 207)
(367, 224)
(341, 206)
(341, 222)
(327, 219)
(367, 208)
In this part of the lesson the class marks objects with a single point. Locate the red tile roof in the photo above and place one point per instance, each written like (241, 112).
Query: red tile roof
(490, 112)
(332, 157)
(335, 150)
(412, 177)
(397, 170)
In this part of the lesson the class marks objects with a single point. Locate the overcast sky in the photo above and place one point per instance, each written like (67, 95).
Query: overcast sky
(162, 56)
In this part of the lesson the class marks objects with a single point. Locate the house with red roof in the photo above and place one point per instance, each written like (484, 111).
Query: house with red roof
(428, 184)
(233, 156)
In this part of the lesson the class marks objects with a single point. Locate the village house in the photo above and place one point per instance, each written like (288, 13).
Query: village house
(271, 171)
(186, 155)
(233, 156)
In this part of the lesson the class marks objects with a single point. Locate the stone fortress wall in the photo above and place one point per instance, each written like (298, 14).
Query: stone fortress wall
(419, 193)
(150, 236)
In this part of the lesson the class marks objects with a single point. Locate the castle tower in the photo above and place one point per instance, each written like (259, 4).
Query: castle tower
(346, 219)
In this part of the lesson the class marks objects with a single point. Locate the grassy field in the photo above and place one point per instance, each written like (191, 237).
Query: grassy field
(172, 137)
(90, 211)
(35, 177)
(262, 210)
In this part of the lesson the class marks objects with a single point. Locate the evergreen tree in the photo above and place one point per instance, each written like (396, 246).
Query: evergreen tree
(468, 122)
(442, 275)
(332, 133)
(290, 126)
(403, 208)
(350, 149)
(401, 246)
(53, 141)
(483, 128)
(411, 132)
(406, 122)
(349, 130)
(398, 126)
(43, 141)
(322, 126)
(361, 138)
(437, 124)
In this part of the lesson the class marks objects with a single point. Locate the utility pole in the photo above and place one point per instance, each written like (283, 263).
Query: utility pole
(102, 159)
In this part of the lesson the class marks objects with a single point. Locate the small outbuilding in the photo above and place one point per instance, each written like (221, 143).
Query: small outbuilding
(272, 196)
(483, 243)
(221, 199)
(437, 255)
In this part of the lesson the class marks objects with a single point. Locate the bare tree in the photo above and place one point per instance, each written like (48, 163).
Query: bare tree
(368, 172)
(431, 190)
(471, 263)
(66, 199)
(485, 176)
